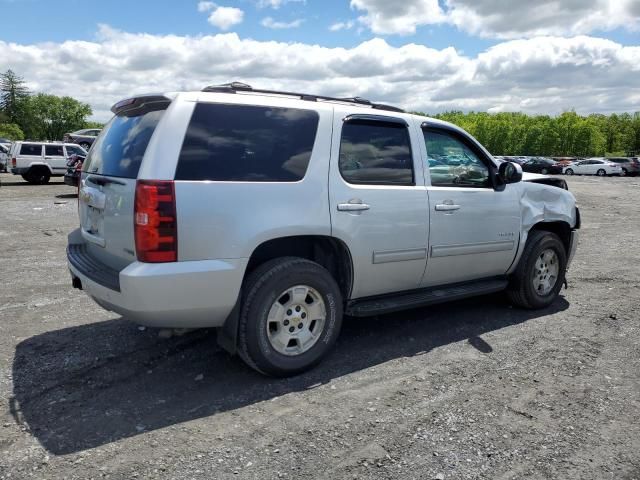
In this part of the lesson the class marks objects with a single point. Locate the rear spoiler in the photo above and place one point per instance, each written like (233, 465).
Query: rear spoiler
(139, 105)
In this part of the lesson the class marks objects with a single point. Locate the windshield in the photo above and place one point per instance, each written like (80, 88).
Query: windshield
(119, 149)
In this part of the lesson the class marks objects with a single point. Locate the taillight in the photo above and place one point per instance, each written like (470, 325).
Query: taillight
(155, 222)
(14, 162)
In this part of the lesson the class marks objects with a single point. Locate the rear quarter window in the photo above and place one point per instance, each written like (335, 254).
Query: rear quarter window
(30, 149)
(247, 143)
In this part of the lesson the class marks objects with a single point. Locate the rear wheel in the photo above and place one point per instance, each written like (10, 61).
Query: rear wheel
(85, 145)
(37, 176)
(540, 273)
(601, 173)
(568, 171)
(624, 172)
(290, 316)
(544, 171)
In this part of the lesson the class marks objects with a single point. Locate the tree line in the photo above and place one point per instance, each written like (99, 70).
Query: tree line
(38, 116)
(568, 134)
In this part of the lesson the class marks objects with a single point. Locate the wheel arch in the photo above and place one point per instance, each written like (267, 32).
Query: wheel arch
(330, 252)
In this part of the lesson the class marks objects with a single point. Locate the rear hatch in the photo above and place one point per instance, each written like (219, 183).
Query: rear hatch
(108, 181)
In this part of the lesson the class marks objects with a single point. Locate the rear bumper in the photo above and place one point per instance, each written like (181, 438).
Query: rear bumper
(19, 170)
(194, 294)
(71, 180)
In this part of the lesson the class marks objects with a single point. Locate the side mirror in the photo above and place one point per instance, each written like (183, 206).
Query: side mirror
(510, 172)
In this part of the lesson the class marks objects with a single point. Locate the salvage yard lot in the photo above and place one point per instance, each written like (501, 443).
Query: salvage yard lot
(473, 389)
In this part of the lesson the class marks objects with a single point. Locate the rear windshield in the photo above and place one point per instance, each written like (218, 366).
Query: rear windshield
(247, 143)
(118, 151)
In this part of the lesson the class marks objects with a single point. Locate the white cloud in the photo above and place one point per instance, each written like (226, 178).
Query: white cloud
(385, 17)
(336, 27)
(225, 17)
(497, 19)
(541, 75)
(269, 22)
(276, 4)
(206, 6)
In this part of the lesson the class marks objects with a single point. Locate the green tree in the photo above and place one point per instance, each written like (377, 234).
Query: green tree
(13, 96)
(11, 131)
(50, 117)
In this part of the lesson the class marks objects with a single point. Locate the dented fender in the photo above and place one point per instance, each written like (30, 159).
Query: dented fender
(543, 203)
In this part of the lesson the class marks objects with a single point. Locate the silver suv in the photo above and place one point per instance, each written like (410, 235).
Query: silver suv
(269, 215)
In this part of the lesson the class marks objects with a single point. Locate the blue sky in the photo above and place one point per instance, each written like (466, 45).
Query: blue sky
(544, 56)
(59, 20)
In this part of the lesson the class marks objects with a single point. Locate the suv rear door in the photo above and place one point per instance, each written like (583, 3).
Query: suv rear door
(378, 201)
(108, 182)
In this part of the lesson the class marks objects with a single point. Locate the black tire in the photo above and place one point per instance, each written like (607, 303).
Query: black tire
(544, 171)
(37, 176)
(521, 291)
(85, 145)
(624, 172)
(601, 173)
(260, 290)
(568, 171)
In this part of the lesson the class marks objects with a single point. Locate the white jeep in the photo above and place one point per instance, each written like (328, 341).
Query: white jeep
(269, 215)
(37, 162)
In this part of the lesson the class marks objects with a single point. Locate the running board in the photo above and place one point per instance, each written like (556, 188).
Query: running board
(380, 305)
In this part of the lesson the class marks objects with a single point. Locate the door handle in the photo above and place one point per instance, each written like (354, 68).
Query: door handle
(447, 207)
(353, 206)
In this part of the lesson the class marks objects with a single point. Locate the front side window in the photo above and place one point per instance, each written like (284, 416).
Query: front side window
(457, 165)
(74, 150)
(53, 151)
(376, 153)
(30, 149)
(246, 143)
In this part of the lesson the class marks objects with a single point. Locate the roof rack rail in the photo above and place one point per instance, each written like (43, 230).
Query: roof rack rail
(234, 87)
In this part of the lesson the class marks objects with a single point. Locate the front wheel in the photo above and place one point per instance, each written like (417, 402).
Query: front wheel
(85, 145)
(540, 272)
(290, 317)
(568, 171)
(601, 173)
(544, 171)
(624, 172)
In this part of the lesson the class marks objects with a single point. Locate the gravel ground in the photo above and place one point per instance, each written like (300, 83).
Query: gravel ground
(473, 389)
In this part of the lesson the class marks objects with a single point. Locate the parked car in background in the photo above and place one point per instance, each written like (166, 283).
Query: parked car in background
(84, 138)
(593, 166)
(566, 160)
(541, 165)
(4, 157)
(74, 168)
(268, 214)
(630, 166)
(37, 162)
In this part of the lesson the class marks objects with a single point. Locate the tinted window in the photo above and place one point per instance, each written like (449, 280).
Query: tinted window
(458, 165)
(30, 149)
(119, 151)
(246, 143)
(376, 153)
(53, 151)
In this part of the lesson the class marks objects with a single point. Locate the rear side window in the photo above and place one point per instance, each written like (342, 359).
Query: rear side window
(30, 149)
(376, 153)
(119, 150)
(246, 143)
(53, 151)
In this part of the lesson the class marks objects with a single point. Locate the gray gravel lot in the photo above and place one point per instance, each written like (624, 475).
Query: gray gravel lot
(474, 389)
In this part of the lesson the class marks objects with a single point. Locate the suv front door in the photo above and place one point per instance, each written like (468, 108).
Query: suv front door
(377, 201)
(474, 230)
(54, 156)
